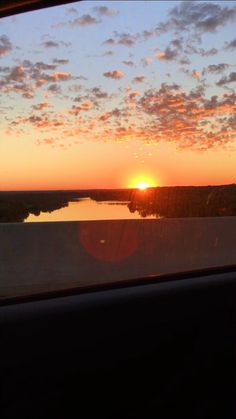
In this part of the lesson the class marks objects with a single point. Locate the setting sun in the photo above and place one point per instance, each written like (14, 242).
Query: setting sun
(143, 185)
(142, 182)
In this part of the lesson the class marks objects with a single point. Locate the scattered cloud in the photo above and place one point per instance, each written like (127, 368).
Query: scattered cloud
(72, 10)
(128, 63)
(17, 73)
(109, 41)
(125, 39)
(115, 74)
(50, 44)
(85, 20)
(196, 74)
(46, 141)
(5, 45)
(208, 52)
(105, 11)
(54, 88)
(226, 80)
(98, 93)
(231, 45)
(200, 17)
(216, 68)
(138, 79)
(60, 61)
(148, 34)
(84, 106)
(168, 54)
(41, 106)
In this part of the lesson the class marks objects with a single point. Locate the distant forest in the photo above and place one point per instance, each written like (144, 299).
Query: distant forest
(170, 202)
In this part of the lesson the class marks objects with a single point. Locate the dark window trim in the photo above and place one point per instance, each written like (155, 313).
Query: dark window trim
(9, 8)
(136, 282)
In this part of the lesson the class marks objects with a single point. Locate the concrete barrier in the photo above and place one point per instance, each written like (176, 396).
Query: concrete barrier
(38, 257)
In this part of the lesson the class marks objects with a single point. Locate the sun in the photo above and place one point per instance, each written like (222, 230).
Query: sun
(142, 182)
(143, 185)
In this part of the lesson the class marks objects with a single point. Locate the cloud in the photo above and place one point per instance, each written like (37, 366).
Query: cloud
(128, 63)
(45, 122)
(41, 106)
(98, 93)
(131, 97)
(54, 88)
(231, 45)
(138, 79)
(226, 80)
(201, 17)
(60, 61)
(57, 76)
(196, 74)
(5, 45)
(184, 61)
(169, 54)
(46, 141)
(216, 68)
(84, 106)
(115, 74)
(72, 10)
(60, 75)
(208, 52)
(85, 20)
(17, 73)
(40, 65)
(50, 44)
(25, 78)
(109, 41)
(148, 34)
(105, 11)
(185, 117)
(125, 39)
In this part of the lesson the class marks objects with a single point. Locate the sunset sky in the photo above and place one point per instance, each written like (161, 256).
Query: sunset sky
(108, 94)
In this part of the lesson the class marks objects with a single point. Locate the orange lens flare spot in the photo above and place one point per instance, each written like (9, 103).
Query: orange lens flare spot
(108, 242)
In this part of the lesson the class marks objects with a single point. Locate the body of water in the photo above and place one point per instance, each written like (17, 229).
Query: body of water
(87, 209)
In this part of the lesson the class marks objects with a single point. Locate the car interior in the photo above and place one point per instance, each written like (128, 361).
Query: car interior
(155, 346)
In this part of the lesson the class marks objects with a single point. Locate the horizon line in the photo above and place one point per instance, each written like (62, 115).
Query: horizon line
(112, 189)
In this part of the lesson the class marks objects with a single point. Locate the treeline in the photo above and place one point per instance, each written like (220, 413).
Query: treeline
(198, 201)
(179, 201)
(16, 206)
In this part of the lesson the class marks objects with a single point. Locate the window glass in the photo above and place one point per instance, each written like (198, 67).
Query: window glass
(117, 142)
